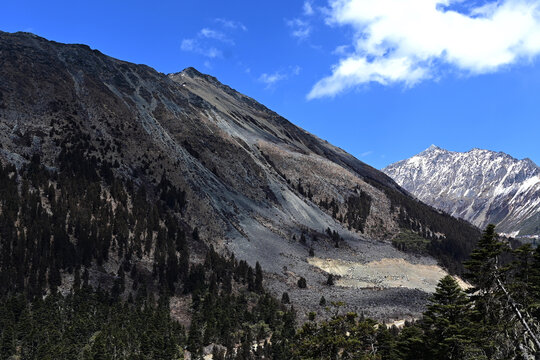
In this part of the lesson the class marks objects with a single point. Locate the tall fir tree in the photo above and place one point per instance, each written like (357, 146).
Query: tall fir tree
(494, 319)
(448, 330)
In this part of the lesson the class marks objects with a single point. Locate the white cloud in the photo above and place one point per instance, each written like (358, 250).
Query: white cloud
(271, 79)
(341, 50)
(308, 8)
(192, 45)
(209, 41)
(300, 28)
(231, 24)
(216, 35)
(405, 42)
(188, 44)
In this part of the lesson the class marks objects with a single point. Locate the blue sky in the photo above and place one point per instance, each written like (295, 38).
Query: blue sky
(379, 79)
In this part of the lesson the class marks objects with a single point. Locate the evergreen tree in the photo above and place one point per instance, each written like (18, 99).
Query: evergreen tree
(448, 331)
(330, 280)
(482, 268)
(258, 287)
(493, 316)
(410, 344)
(285, 298)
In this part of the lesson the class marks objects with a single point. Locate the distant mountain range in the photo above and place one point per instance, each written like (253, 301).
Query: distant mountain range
(480, 186)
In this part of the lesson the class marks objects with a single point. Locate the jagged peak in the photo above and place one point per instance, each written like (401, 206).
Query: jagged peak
(192, 72)
(475, 149)
(527, 161)
(531, 163)
(432, 149)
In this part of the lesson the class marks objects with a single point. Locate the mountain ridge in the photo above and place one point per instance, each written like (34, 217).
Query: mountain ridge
(479, 185)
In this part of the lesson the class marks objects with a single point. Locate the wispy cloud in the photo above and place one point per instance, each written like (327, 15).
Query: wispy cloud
(341, 50)
(300, 29)
(406, 42)
(308, 8)
(192, 45)
(216, 35)
(230, 24)
(271, 79)
(208, 41)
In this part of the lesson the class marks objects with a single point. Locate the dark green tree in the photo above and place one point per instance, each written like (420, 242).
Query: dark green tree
(258, 287)
(493, 316)
(448, 331)
(285, 298)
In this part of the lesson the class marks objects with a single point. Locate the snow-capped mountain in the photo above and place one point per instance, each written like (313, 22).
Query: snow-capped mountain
(480, 186)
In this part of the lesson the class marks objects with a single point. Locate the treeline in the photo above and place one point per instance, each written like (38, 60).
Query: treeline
(451, 240)
(497, 318)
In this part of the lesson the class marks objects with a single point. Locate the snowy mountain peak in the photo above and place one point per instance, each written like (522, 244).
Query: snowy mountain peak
(481, 186)
(433, 149)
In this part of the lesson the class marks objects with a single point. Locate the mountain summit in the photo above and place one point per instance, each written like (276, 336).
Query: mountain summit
(480, 186)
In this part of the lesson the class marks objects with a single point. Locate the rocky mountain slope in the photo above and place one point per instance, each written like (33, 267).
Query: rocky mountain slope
(255, 185)
(480, 186)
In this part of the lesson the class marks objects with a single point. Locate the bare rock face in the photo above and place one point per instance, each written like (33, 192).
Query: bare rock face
(256, 185)
(480, 186)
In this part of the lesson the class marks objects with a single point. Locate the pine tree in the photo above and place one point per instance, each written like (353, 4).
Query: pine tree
(285, 298)
(493, 316)
(482, 268)
(410, 344)
(258, 278)
(386, 344)
(7, 342)
(448, 332)
(330, 280)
